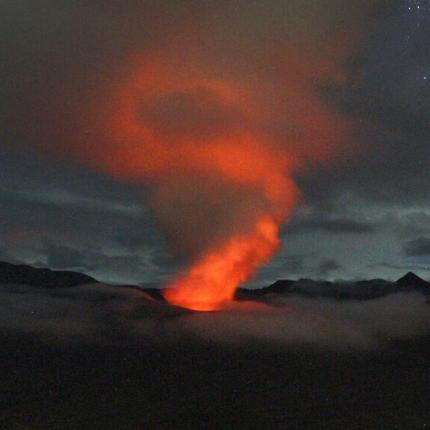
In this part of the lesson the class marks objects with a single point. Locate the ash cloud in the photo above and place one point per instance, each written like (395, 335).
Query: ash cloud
(194, 114)
(62, 61)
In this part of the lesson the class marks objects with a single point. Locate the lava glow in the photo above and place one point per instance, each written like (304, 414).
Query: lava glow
(193, 141)
(211, 110)
(210, 284)
(218, 169)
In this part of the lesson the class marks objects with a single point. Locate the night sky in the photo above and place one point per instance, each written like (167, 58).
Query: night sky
(342, 86)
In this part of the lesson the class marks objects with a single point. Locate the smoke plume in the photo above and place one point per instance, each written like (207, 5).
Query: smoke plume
(213, 108)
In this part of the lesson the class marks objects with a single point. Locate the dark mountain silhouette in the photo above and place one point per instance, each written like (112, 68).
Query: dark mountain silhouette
(360, 290)
(279, 287)
(37, 277)
(410, 280)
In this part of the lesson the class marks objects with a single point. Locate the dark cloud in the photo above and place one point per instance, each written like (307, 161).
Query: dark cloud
(328, 224)
(403, 267)
(283, 266)
(327, 267)
(70, 222)
(294, 264)
(388, 96)
(405, 223)
(417, 247)
(416, 223)
(28, 171)
(55, 58)
(141, 267)
(105, 234)
(6, 256)
(64, 257)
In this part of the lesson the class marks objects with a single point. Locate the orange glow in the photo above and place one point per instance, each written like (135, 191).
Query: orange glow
(235, 155)
(210, 284)
(214, 114)
(174, 127)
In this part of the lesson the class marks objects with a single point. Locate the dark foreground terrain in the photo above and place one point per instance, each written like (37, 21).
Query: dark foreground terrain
(299, 355)
(198, 385)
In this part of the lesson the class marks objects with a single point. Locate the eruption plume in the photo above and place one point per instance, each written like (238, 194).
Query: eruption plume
(212, 281)
(219, 170)
(219, 188)
(214, 115)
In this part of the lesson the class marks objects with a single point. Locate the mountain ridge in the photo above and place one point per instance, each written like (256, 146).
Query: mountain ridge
(359, 290)
(42, 277)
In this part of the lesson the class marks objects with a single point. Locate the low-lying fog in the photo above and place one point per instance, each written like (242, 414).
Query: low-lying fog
(107, 314)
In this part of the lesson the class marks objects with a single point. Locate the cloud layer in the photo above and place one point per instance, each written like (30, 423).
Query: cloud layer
(106, 314)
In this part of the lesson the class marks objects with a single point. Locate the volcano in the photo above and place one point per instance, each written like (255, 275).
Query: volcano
(411, 280)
